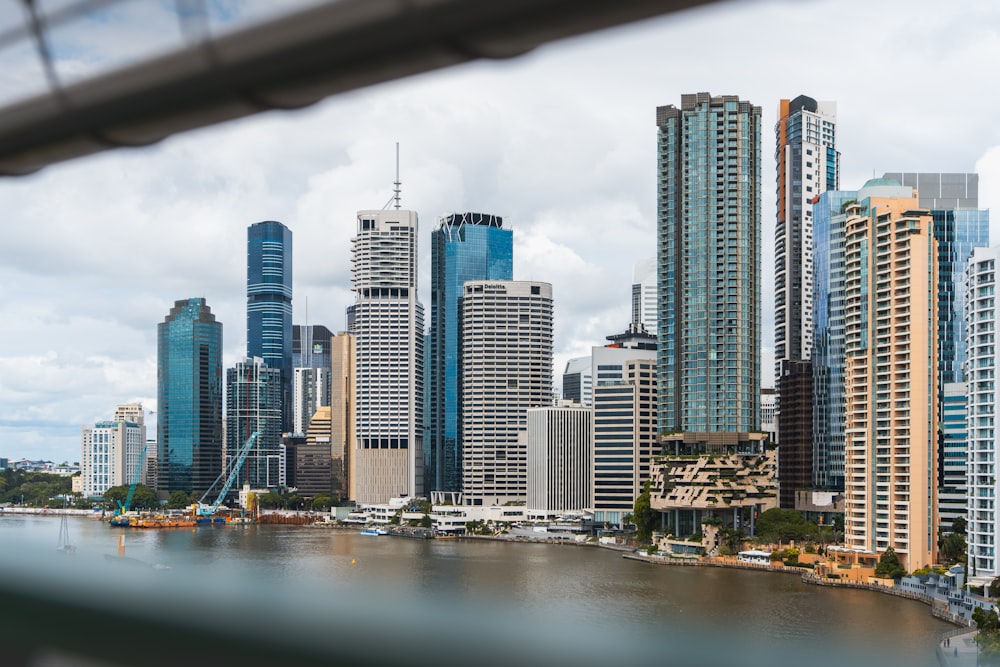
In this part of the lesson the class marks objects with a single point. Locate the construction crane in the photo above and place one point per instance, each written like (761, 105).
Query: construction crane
(208, 510)
(123, 509)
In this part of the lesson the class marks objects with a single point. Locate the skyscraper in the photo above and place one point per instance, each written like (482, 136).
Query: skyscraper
(890, 375)
(708, 211)
(558, 454)
(388, 328)
(708, 272)
(624, 424)
(808, 165)
(253, 404)
(465, 246)
(189, 398)
(310, 373)
(342, 417)
(959, 227)
(982, 319)
(110, 453)
(829, 321)
(269, 304)
(578, 381)
(506, 343)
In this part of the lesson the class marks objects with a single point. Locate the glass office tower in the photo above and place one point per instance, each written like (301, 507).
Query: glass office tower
(269, 304)
(465, 246)
(189, 398)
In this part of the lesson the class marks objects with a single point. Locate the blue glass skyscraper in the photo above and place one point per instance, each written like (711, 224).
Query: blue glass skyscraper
(189, 393)
(465, 246)
(269, 304)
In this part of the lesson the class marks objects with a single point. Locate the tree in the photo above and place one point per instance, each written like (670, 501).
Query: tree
(952, 547)
(178, 500)
(321, 502)
(959, 525)
(783, 525)
(144, 498)
(644, 516)
(995, 588)
(889, 566)
(426, 521)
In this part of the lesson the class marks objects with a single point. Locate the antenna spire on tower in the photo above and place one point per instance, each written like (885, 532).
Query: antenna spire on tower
(396, 183)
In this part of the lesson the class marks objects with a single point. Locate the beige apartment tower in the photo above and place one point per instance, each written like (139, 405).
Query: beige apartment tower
(890, 374)
(342, 414)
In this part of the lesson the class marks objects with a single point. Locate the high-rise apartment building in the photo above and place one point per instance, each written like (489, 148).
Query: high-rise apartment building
(644, 294)
(189, 398)
(342, 418)
(890, 375)
(465, 246)
(388, 328)
(808, 165)
(982, 359)
(708, 268)
(829, 322)
(311, 346)
(506, 368)
(708, 211)
(253, 404)
(558, 451)
(624, 424)
(269, 304)
(111, 451)
(959, 227)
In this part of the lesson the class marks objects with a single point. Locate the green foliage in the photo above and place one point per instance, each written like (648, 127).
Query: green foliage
(178, 500)
(959, 525)
(644, 516)
(143, 499)
(952, 547)
(783, 525)
(419, 505)
(995, 588)
(888, 566)
(426, 521)
(988, 636)
(37, 488)
(322, 502)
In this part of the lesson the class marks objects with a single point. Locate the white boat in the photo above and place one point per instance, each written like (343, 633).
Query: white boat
(373, 531)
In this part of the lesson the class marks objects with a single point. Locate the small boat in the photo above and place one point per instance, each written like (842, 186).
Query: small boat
(373, 531)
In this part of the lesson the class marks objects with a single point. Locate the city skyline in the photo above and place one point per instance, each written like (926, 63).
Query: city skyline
(562, 150)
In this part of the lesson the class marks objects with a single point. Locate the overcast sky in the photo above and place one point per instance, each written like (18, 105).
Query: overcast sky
(560, 142)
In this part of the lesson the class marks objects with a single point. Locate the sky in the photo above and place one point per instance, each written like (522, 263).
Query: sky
(561, 142)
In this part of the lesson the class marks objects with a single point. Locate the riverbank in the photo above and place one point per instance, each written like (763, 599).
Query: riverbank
(51, 511)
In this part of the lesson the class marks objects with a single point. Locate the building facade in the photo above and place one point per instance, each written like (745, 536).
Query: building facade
(342, 419)
(624, 425)
(644, 294)
(269, 304)
(829, 322)
(388, 328)
(890, 388)
(310, 390)
(110, 455)
(253, 404)
(808, 165)
(558, 451)
(952, 455)
(708, 267)
(189, 398)
(465, 246)
(506, 368)
(982, 360)
(578, 381)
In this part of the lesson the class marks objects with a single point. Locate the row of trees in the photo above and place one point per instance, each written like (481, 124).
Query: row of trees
(32, 488)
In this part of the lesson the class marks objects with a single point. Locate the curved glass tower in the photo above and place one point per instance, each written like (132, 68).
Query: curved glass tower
(189, 395)
(269, 304)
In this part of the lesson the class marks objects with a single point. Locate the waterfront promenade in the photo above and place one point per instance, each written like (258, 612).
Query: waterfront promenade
(958, 649)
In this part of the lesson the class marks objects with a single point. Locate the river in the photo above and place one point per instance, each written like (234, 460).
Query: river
(586, 587)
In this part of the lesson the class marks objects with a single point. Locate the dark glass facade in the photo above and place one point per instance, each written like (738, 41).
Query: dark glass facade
(189, 395)
(465, 246)
(269, 304)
